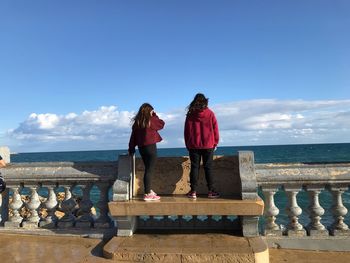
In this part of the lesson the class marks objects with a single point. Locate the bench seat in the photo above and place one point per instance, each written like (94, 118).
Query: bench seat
(181, 205)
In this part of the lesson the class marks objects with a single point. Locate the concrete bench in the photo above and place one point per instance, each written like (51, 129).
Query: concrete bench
(181, 205)
(235, 180)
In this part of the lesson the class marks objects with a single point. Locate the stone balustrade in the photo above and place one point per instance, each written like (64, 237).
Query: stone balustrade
(57, 196)
(312, 181)
(301, 200)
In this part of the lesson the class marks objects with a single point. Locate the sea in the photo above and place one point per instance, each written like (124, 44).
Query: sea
(301, 153)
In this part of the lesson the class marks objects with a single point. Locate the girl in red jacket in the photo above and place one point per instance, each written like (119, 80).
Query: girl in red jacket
(145, 135)
(2, 181)
(201, 139)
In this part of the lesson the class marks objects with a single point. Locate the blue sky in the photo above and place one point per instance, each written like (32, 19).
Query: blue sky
(73, 73)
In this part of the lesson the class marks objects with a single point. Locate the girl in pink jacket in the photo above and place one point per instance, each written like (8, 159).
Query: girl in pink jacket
(201, 139)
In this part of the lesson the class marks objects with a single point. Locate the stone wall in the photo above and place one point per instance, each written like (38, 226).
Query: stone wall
(172, 176)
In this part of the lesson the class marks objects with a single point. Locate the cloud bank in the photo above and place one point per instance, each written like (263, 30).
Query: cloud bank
(252, 122)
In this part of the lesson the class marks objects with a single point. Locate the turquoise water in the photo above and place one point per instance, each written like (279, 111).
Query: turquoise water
(263, 154)
(305, 153)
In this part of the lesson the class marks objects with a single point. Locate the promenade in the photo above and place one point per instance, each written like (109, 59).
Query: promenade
(33, 248)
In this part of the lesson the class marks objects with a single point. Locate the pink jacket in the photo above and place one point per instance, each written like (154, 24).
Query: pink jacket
(146, 136)
(201, 130)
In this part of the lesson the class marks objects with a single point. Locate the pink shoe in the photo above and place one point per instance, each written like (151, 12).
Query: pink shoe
(152, 196)
(213, 194)
(192, 195)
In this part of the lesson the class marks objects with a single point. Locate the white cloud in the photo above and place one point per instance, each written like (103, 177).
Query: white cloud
(250, 122)
(92, 128)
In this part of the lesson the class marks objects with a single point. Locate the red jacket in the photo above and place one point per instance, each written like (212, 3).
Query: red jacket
(146, 136)
(201, 130)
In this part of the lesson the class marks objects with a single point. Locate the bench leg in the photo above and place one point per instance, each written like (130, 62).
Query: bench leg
(250, 226)
(126, 225)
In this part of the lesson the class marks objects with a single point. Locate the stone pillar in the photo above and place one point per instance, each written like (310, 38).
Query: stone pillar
(15, 219)
(270, 212)
(126, 225)
(339, 228)
(294, 228)
(315, 228)
(33, 205)
(85, 219)
(50, 204)
(122, 191)
(249, 191)
(121, 187)
(68, 204)
(103, 220)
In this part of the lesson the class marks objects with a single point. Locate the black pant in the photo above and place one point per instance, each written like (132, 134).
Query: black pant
(149, 157)
(207, 156)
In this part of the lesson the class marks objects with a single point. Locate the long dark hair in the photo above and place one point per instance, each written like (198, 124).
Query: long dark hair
(143, 116)
(199, 102)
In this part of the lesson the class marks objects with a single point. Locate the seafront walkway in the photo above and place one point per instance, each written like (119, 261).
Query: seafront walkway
(32, 249)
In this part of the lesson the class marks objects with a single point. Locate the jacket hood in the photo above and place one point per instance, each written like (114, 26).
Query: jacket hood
(200, 114)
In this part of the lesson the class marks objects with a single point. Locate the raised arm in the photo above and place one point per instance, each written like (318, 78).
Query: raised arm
(156, 123)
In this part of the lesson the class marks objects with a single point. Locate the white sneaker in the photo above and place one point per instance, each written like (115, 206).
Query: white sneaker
(152, 196)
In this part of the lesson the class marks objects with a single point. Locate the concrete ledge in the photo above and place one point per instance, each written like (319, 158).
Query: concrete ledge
(76, 232)
(181, 205)
(186, 248)
(329, 243)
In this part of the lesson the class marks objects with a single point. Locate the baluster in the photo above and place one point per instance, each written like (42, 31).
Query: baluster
(68, 204)
(339, 228)
(85, 220)
(33, 205)
(316, 211)
(51, 203)
(293, 210)
(270, 213)
(103, 220)
(15, 219)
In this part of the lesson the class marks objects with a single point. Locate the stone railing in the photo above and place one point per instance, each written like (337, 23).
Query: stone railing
(302, 201)
(59, 196)
(321, 188)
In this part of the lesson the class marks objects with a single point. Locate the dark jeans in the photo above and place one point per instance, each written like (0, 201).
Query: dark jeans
(149, 157)
(207, 156)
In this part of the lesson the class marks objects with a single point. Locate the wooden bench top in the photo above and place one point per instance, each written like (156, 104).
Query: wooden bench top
(181, 205)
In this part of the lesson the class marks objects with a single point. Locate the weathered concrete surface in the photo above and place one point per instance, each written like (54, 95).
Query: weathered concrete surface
(247, 175)
(187, 248)
(122, 185)
(300, 173)
(172, 176)
(302, 256)
(33, 249)
(61, 172)
(181, 205)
